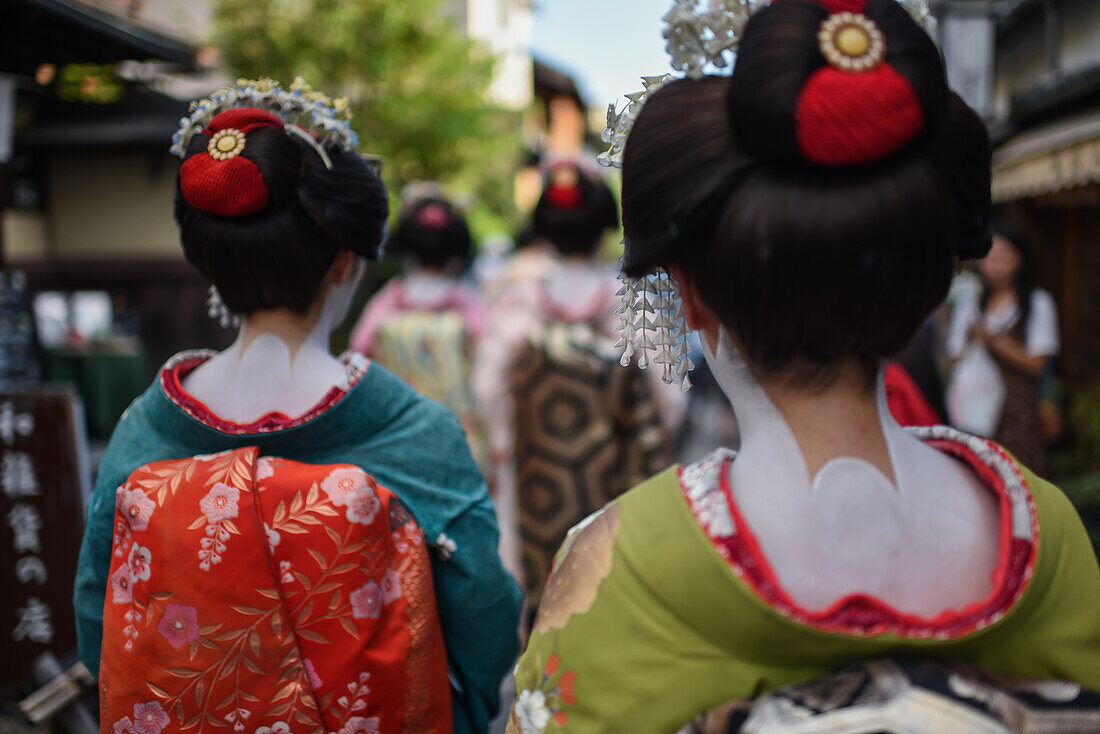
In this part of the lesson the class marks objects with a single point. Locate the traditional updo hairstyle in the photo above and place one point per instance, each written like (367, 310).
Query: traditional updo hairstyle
(434, 232)
(266, 222)
(574, 211)
(818, 209)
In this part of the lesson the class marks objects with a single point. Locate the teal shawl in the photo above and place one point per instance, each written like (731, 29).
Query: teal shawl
(411, 445)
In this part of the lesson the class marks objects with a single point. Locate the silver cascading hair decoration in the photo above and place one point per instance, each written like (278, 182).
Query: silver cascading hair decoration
(700, 35)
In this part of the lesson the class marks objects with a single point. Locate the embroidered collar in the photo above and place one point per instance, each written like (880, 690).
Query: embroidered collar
(706, 489)
(181, 365)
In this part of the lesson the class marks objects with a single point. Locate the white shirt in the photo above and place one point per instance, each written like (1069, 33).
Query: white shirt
(1041, 331)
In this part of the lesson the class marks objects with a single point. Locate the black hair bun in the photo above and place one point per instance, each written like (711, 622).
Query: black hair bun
(278, 256)
(434, 232)
(574, 211)
(348, 203)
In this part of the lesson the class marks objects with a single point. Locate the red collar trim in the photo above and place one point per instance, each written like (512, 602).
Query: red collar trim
(864, 615)
(176, 370)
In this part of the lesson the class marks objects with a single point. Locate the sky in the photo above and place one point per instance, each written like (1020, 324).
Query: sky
(608, 45)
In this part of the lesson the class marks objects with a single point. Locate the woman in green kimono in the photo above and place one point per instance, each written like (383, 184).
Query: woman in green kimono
(807, 212)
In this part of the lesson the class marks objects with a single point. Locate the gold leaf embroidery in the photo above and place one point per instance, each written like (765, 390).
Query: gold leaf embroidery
(157, 691)
(574, 585)
(313, 637)
(277, 624)
(306, 610)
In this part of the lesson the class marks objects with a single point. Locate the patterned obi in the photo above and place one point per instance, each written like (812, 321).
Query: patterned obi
(265, 595)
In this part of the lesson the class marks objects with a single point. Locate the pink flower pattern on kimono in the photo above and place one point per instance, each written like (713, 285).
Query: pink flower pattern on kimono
(363, 504)
(366, 601)
(150, 718)
(179, 625)
(220, 503)
(120, 586)
(136, 507)
(361, 725)
(264, 470)
(341, 481)
(311, 674)
(139, 563)
(273, 537)
(124, 726)
(391, 586)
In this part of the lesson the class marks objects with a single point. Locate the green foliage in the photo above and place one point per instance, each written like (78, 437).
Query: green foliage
(416, 85)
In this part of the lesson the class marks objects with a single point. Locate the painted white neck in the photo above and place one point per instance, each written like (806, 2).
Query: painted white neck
(923, 543)
(276, 367)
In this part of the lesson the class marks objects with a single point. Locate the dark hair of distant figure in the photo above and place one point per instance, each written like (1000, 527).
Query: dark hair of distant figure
(279, 256)
(574, 210)
(1025, 275)
(433, 232)
(809, 264)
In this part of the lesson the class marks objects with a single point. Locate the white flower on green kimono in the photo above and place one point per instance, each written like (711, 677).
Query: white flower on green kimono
(532, 712)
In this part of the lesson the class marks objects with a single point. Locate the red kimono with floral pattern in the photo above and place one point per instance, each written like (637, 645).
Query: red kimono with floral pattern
(264, 595)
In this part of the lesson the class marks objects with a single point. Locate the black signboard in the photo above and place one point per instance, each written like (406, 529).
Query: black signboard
(43, 482)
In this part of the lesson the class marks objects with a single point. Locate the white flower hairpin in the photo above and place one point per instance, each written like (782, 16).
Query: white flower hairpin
(700, 36)
(326, 119)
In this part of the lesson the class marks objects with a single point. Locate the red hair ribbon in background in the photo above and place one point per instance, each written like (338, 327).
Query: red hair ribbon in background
(233, 187)
(564, 191)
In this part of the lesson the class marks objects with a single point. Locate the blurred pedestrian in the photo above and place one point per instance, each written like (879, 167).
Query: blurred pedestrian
(424, 325)
(569, 428)
(1014, 323)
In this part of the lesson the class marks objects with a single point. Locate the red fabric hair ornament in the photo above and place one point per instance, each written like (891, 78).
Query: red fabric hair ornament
(564, 191)
(433, 216)
(858, 108)
(221, 182)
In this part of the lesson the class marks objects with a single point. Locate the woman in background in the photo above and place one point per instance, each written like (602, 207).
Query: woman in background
(424, 325)
(569, 428)
(1016, 323)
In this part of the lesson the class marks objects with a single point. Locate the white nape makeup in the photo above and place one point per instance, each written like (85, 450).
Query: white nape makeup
(923, 544)
(270, 371)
